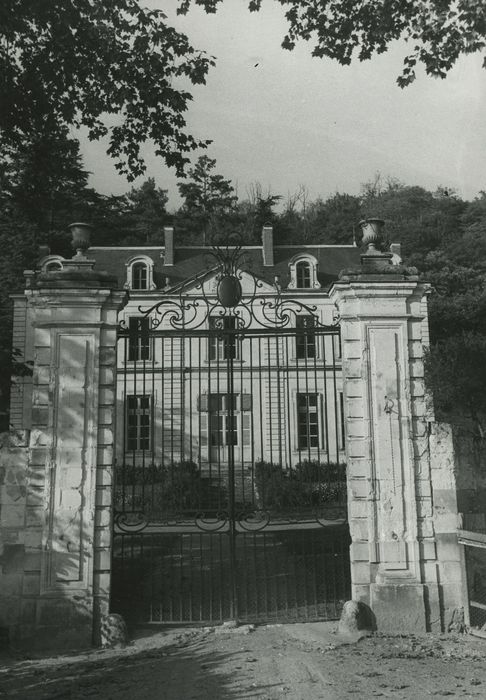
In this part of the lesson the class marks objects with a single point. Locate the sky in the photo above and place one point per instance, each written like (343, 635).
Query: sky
(285, 119)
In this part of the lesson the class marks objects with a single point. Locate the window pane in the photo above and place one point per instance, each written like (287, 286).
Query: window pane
(307, 421)
(303, 275)
(139, 276)
(138, 422)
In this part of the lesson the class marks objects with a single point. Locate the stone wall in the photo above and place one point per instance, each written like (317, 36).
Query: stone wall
(15, 553)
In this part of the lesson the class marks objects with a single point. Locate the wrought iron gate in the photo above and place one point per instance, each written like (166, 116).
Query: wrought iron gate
(230, 487)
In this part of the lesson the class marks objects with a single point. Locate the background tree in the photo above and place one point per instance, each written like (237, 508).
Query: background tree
(438, 32)
(207, 199)
(75, 63)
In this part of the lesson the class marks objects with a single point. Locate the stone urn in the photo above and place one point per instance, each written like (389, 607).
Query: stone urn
(81, 235)
(372, 233)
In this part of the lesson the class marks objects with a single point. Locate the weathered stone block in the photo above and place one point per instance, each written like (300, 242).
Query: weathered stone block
(416, 368)
(102, 560)
(425, 528)
(428, 550)
(361, 592)
(33, 538)
(104, 476)
(399, 606)
(358, 509)
(355, 389)
(107, 357)
(40, 415)
(357, 448)
(31, 584)
(32, 559)
(448, 547)
(105, 437)
(359, 468)
(102, 517)
(28, 608)
(103, 537)
(451, 572)
(104, 456)
(107, 375)
(355, 429)
(9, 610)
(39, 437)
(359, 488)
(105, 416)
(13, 516)
(447, 522)
(34, 517)
(353, 349)
(35, 494)
(103, 497)
(38, 456)
(353, 368)
(434, 621)
(41, 395)
(12, 494)
(423, 488)
(11, 584)
(358, 529)
(359, 551)
(424, 507)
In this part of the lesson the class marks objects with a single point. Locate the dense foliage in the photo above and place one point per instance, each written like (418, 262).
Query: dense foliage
(113, 67)
(437, 32)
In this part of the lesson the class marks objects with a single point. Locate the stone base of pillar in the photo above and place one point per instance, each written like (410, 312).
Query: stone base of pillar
(399, 607)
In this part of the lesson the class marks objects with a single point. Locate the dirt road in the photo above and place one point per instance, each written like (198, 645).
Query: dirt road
(299, 662)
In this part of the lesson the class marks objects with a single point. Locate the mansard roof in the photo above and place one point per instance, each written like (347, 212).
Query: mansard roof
(190, 261)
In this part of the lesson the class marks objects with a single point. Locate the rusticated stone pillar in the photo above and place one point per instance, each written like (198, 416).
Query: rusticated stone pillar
(65, 562)
(394, 565)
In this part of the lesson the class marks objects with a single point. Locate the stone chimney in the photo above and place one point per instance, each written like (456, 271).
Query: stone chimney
(169, 245)
(267, 246)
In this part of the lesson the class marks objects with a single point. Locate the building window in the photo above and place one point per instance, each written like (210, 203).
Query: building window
(303, 275)
(307, 421)
(305, 340)
(303, 272)
(138, 338)
(140, 273)
(139, 420)
(224, 346)
(225, 420)
(139, 276)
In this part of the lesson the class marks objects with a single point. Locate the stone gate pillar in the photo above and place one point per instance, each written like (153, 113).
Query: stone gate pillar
(383, 319)
(67, 533)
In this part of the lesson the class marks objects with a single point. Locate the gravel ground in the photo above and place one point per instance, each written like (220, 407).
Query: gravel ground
(299, 662)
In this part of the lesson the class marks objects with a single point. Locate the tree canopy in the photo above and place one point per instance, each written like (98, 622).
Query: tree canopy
(437, 32)
(114, 67)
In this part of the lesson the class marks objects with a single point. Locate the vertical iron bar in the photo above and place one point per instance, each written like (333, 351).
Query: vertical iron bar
(269, 384)
(231, 473)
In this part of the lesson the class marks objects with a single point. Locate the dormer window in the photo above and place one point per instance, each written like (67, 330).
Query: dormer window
(303, 273)
(140, 273)
(139, 276)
